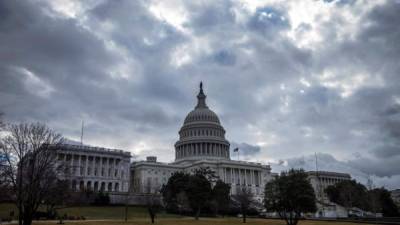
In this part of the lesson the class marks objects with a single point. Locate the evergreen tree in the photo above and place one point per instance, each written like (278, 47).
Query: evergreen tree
(220, 194)
(290, 194)
(198, 192)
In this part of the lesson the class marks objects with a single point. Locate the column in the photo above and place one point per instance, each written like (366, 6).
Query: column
(252, 178)
(200, 148)
(86, 166)
(94, 166)
(72, 164)
(115, 168)
(246, 182)
(225, 175)
(108, 167)
(214, 148)
(242, 178)
(238, 177)
(79, 166)
(232, 177)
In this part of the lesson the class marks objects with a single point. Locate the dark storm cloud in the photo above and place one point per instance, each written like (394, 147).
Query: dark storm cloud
(133, 76)
(40, 51)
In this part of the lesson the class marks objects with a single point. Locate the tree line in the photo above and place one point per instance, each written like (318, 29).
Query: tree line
(353, 194)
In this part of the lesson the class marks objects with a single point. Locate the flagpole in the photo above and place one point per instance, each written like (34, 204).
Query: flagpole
(82, 133)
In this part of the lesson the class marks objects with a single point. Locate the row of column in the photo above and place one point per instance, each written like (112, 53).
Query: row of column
(329, 180)
(95, 185)
(202, 132)
(97, 166)
(242, 176)
(197, 149)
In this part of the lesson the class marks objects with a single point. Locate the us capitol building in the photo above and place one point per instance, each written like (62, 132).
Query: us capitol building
(201, 143)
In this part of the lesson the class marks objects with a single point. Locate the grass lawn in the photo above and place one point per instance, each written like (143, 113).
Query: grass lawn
(114, 215)
(95, 212)
(202, 221)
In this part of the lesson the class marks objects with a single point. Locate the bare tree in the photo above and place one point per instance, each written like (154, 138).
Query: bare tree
(244, 197)
(153, 201)
(30, 165)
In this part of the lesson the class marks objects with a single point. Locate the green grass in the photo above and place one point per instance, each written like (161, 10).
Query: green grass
(6, 208)
(114, 215)
(94, 212)
(109, 212)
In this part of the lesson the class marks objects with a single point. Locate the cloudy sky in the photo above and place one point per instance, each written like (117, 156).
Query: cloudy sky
(288, 79)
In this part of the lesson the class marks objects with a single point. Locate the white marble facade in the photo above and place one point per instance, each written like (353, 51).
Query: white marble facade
(98, 169)
(322, 179)
(201, 143)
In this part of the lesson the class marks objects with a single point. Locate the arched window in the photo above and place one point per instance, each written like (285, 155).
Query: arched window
(96, 186)
(116, 187)
(74, 185)
(81, 185)
(89, 185)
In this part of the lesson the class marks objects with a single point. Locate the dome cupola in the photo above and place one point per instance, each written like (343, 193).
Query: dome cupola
(201, 136)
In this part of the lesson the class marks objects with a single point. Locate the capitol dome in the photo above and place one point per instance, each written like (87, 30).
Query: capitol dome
(201, 136)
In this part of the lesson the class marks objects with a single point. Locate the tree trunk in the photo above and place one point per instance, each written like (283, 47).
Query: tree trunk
(152, 214)
(197, 213)
(126, 212)
(244, 212)
(20, 215)
(27, 220)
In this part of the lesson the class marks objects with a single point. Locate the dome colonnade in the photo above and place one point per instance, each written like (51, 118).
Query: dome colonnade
(201, 136)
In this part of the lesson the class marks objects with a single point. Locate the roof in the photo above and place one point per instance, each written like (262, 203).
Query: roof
(329, 173)
(86, 148)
